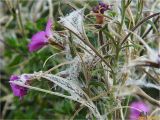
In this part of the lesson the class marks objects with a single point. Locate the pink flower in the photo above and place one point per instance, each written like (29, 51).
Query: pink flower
(19, 91)
(41, 38)
(141, 107)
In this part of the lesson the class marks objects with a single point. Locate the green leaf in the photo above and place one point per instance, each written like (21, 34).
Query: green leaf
(97, 84)
(16, 59)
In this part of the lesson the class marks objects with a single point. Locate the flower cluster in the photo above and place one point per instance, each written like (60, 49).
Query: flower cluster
(39, 40)
(99, 11)
(101, 8)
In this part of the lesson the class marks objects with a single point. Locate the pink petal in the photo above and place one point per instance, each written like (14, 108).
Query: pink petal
(18, 91)
(38, 41)
(134, 114)
(14, 77)
(49, 28)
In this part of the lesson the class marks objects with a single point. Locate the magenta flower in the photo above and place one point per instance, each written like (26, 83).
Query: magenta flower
(141, 107)
(41, 38)
(19, 91)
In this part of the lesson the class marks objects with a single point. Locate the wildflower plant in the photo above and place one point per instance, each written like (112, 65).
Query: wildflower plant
(101, 55)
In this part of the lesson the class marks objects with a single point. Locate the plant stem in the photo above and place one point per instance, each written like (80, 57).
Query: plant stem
(145, 34)
(101, 41)
(135, 27)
